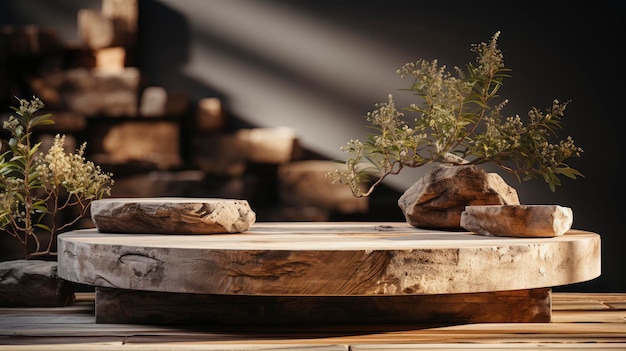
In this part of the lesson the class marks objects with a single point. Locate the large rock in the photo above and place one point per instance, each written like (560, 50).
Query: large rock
(440, 196)
(33, 283)
(172, 215)
(518, 220)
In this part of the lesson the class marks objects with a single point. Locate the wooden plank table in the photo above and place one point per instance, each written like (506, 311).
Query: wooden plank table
(325, 273)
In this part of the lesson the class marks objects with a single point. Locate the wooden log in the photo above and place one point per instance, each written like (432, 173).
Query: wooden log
(94, 29)
(101, 92)
(157, 183)
(112, 59)
(327, 259)
(209, 115)
(270, 145)
(156, 142)
(221, 155)
(123, 15)
(146, 307)
(153, 102)
(302, 184)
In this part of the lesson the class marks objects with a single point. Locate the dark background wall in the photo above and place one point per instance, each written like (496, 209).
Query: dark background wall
(319, 66)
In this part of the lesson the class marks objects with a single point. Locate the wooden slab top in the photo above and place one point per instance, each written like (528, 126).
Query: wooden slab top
(327, 258)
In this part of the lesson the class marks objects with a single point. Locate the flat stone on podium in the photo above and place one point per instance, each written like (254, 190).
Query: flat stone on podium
(533, 221)
(172, 215)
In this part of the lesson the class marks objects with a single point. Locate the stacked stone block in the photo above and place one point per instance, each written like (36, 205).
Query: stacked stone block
(154, 141)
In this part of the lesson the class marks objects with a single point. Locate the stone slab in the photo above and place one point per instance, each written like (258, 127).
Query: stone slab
(327, 259)
(172, 215)
(518, 220)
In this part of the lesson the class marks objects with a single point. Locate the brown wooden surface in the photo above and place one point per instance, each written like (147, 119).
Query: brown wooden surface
(327, 259)
(133, 306)
(580, 321)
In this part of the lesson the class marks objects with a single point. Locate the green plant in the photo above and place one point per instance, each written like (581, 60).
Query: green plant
(459, 122)
(36, 186)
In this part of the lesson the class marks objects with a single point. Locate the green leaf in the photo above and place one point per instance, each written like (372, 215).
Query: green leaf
(42, 226)
(41, 119)
(34, 149)
(569, 172)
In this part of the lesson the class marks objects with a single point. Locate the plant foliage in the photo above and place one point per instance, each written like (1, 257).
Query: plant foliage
(459, 122)
(35, 186)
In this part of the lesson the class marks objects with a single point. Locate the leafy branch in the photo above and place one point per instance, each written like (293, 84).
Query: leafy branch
(35, 186)
(458, 122)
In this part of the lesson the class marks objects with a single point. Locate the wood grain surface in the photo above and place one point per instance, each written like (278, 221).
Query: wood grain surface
(327, 259)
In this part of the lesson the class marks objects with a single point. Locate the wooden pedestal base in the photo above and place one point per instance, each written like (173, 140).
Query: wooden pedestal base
(325, 273)
(146, 307)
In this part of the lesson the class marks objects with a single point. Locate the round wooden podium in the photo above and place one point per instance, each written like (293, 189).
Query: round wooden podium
(330, 272)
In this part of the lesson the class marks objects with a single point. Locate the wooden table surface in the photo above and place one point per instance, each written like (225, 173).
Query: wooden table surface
(327, 259)
(581, 321)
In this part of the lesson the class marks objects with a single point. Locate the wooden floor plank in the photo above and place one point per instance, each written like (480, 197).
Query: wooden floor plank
(113, 346)
(619, 305)
(579, 305)
(91, 329)
(517, 347)
(589, 295)
(288, 347)
(578, 323)
(81, 307)
(577, 316)
(58, 320)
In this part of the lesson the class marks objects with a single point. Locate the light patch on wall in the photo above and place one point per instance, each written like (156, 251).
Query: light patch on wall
(284, 68)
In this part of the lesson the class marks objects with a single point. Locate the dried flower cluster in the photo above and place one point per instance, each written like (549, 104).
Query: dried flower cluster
(459, 122)
(35, 186)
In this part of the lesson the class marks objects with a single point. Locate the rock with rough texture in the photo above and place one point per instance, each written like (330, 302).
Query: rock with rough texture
(518, 220)
(171, 215)
(33, 283)
(440, 196)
